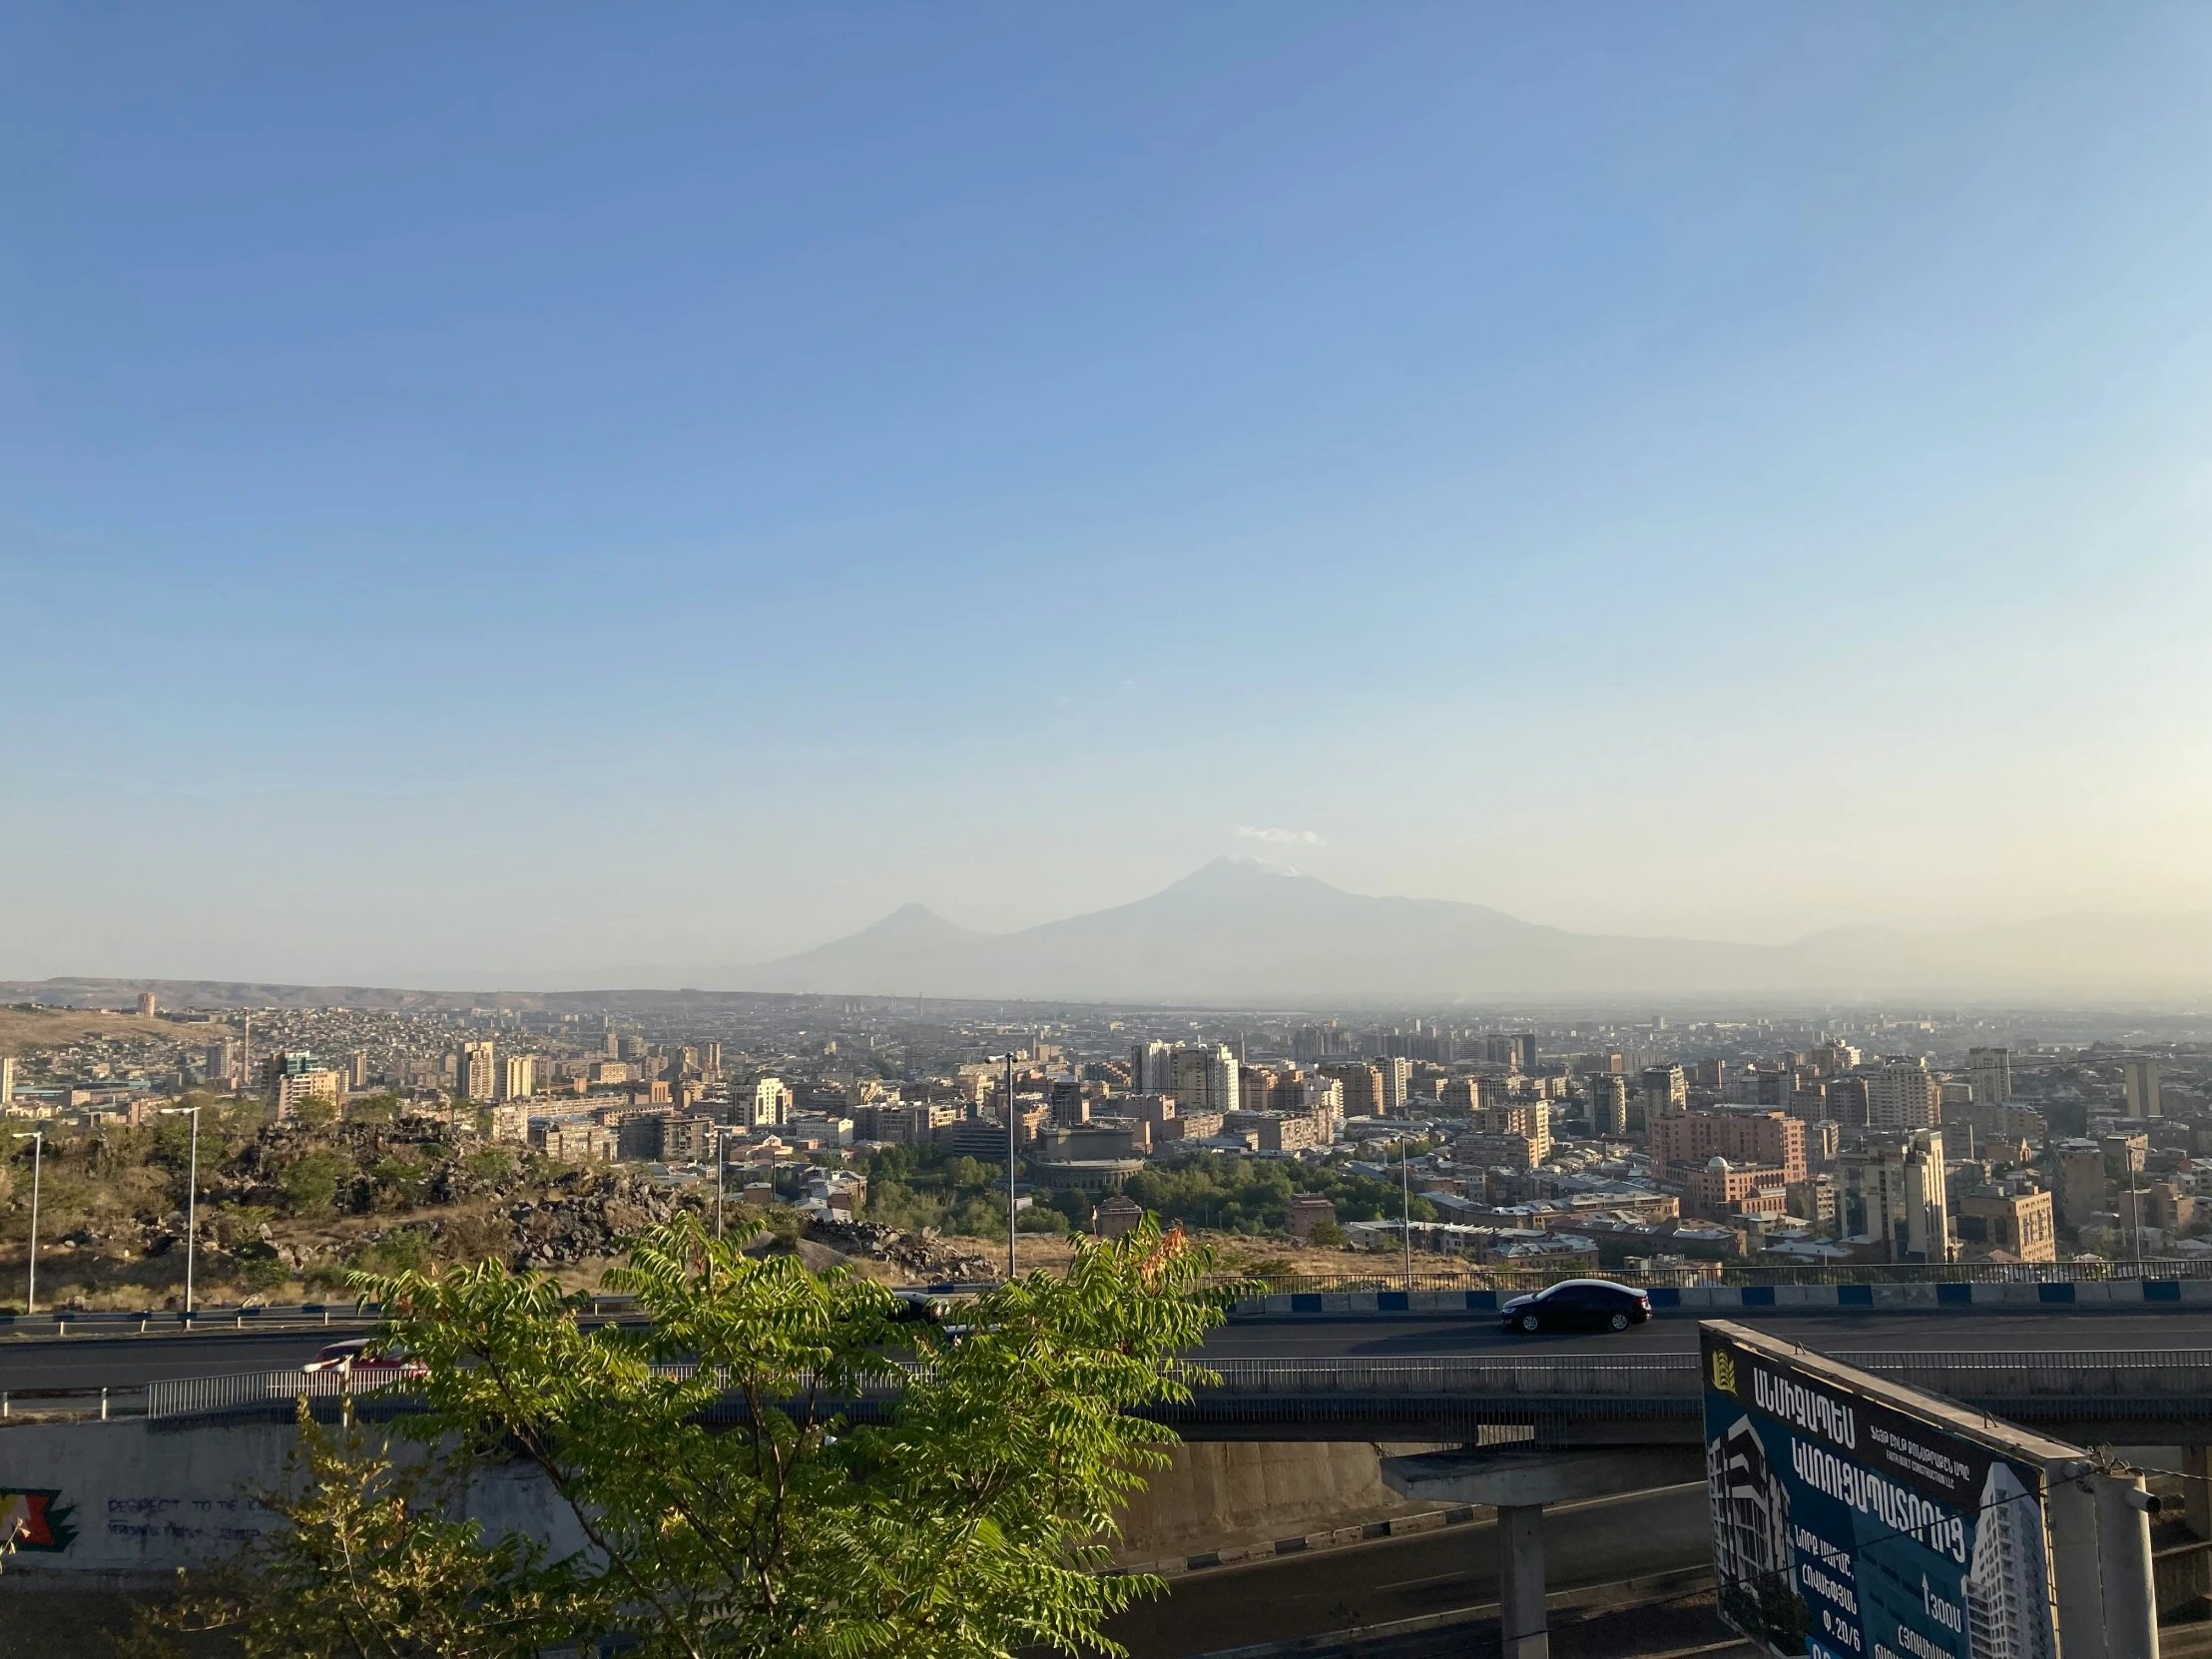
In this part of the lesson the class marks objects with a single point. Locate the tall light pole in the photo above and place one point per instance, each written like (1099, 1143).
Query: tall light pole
(1405, 1204)
(37, 1138)
(1010, 1164)
(192, 1198)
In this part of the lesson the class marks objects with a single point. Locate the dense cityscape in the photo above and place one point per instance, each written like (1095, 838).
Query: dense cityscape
(1663, 1147)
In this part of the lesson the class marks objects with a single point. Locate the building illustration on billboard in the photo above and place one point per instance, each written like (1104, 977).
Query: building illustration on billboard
(1855, 1520)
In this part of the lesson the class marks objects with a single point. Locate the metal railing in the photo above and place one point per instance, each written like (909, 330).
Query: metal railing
(64, 1322)
(192, 1397)
(40, 1403)
(1391, 1278)
(1986, 1375)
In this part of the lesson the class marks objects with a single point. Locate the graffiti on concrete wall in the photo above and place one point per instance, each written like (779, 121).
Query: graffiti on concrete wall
(36, 1519)
(228, 1521)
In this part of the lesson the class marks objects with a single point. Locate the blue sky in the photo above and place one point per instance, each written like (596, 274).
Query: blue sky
(564, 491)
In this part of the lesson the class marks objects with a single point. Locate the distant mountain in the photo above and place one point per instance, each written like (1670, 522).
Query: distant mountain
(1240, 931)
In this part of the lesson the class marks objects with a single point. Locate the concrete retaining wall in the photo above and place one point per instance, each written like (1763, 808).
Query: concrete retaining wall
(1223, 1494)
(1713, 1298)
(123, 1502)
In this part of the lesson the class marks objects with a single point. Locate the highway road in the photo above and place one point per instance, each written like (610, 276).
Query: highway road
(91, 1362)
(1598, 1542)
(1418, 1336)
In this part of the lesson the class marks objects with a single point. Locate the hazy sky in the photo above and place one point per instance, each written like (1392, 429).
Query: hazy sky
(543, 491)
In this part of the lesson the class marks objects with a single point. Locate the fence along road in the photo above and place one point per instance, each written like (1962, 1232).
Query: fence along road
(2153, 1383)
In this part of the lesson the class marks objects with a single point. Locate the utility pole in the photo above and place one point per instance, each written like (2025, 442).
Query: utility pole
(192, 1200)
(37, 1138)
(2134, 1212)
(1010, 1164)
(1405, 1204)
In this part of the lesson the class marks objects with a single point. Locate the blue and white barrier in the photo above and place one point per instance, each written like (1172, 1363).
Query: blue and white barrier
(1701, 1299)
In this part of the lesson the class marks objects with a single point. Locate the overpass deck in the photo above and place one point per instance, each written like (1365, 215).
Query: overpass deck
(1566, 1399)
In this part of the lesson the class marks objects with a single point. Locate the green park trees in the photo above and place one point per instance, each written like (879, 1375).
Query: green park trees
(730, 1503)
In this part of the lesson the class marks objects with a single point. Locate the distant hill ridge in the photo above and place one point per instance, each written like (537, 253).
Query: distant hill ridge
(1243, 931)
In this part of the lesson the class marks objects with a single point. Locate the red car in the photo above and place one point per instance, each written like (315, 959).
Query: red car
(354, 1360)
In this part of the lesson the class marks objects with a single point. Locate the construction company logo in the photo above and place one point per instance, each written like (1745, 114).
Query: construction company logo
(1724, 1371)
(35, 1521)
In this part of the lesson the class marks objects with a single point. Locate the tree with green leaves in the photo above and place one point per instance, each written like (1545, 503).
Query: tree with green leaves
(777, 1462)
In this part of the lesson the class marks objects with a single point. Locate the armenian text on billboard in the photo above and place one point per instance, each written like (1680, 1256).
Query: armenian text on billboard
(1847, 1526)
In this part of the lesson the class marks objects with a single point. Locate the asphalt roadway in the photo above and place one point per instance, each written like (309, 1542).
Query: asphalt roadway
(91, 1362)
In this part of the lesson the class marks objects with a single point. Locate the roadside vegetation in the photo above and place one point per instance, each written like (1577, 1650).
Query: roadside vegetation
(972, 1523)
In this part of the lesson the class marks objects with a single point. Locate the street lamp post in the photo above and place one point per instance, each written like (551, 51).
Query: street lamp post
(37, 1138)
(1405, 1204)
(192, 1200)
(721, 1162)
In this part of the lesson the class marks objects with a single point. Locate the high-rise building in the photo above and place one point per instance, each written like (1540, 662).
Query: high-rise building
(1201, 1080)
(1323, 1100)
(7, 1079)
(764, 1103)
(710, 1062)
(1461, 1094)
(224, 1061)
(1892, 1191)
(1397, 1077)
(357, 1068)
(474, 1074)
(1222, 1079)
(1989, 1074)
(1608, 1103)
(1851, 1101)
(1665, 1091)
(310, 1082)
(518, 1078)
(148, 1005)
(1152, 1069)
(1902, 1095)
(1531, 1120)
(1524, 1051)
(1363, 1087)
(2140, 1080)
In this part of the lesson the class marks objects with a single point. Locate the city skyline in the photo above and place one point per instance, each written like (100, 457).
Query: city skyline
(527, 498)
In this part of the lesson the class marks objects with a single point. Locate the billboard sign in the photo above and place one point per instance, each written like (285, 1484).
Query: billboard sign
(1857, 1519)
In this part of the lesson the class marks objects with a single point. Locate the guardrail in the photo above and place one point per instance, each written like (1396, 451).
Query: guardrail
(1391, 1278)
(69, 1403)
(1979, 1375)
(2159, 1270)
(67, 1321)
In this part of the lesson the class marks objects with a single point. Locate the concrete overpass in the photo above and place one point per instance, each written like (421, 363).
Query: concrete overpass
(114, 1355)
(1566, 1400)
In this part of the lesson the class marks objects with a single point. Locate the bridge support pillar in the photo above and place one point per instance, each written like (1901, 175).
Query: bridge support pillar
(2123, 1561)
(1523, 1630)
(2073, 1552)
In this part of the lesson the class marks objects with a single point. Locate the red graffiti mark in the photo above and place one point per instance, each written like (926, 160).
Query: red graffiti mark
(33, 1520)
